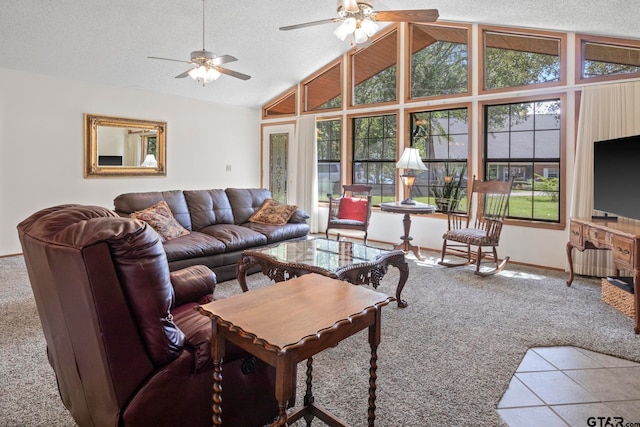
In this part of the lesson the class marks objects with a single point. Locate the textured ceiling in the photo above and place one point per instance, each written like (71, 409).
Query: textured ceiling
(107, 42)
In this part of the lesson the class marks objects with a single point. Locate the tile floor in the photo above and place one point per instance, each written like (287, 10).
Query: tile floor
(565, 386)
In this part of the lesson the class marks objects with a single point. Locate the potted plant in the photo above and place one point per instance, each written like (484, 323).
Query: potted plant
(448, 191)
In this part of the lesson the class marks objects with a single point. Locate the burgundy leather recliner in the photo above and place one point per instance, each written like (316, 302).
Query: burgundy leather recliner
(122, 334)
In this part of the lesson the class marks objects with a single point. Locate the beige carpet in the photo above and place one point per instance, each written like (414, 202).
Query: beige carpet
(445, 360)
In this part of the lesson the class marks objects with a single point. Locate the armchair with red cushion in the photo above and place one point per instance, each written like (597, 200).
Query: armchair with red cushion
(351, 211)
(123, 337)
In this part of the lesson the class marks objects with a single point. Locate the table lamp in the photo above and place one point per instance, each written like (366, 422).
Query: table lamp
(410, 160)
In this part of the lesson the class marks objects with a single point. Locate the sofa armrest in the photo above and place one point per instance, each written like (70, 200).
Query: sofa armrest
(299, 217)
(193, 284)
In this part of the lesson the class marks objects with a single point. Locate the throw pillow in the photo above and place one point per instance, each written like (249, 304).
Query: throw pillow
(272, 212)
(353, 208)
(159, 217)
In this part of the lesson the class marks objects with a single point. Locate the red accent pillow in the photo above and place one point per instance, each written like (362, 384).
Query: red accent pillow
(353, 208)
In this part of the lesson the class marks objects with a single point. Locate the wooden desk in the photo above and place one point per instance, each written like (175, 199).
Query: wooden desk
(291, 321)
(407, 209)
(623, 239)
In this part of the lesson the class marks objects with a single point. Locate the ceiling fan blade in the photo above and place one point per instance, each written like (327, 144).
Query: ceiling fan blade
(233, 73)
(183, 75)
(310, 24)
(421, 15)
(224, 59)
(168, 59)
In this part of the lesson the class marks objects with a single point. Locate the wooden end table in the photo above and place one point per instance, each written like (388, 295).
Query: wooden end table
(267, 322)
(408, 210)
(354, 262)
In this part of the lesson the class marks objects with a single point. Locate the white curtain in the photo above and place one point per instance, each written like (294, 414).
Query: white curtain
(606, 112)
(305, 172)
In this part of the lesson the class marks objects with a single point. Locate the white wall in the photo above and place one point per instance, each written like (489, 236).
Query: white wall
(42, 146)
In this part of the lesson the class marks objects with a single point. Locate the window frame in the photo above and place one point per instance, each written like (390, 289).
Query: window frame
(408, 61)
(350, 141)
(303, 88)
(482, 160)
(351, 67)
(441, 107)
(581, 39)
(562, 57)
(279, 99)
(340, 149)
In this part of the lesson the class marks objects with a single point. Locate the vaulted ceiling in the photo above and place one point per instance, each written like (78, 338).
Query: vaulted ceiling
(108, 42)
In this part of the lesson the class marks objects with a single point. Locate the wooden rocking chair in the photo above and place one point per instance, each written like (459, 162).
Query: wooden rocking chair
(483, 231)
(351, 211)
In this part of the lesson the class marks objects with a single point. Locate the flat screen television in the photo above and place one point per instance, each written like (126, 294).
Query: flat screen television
(616, 177)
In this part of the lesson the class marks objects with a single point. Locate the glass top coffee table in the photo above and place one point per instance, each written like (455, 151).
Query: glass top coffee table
(353, 262)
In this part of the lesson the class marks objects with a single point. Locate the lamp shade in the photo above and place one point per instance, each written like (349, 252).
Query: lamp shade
(150, 161)
(411, 160)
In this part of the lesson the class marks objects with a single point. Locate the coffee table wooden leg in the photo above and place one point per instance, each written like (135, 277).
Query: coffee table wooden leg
(217, 353)
(401, 264)
(241, 271)
(308, 396)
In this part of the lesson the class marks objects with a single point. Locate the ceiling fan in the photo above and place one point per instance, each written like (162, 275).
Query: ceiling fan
(359, 18)
(206, 65)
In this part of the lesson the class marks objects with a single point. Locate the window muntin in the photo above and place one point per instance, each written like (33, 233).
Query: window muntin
(328, 141)
(523, 142)
(324, 91)
(442, 137)
(374, 155)
(439, 61)
(512, 60)
(607, 59)
(374, 72)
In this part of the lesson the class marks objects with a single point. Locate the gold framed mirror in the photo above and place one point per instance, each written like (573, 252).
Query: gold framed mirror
(117, 146)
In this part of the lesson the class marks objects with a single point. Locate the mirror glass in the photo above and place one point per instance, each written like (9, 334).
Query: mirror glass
(116, 146)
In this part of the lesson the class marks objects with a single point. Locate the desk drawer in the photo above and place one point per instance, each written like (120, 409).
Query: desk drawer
(599, 237)
(575, 234)
(623, 251)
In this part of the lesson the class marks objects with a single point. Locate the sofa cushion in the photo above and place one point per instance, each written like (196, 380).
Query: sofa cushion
(272, 212)
(159, 217)
(193, 245)
(126, 204)
(245, 201)
(208, 207)
(235, 237)
(279, 233)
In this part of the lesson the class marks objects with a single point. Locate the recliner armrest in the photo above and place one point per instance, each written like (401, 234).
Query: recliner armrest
(193, 284)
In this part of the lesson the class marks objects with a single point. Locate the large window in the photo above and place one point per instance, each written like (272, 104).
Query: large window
(442, 137)
(523, 141)
(512, 60)
(375, 71)
(439, 61)
(374, 155)
(328, 140)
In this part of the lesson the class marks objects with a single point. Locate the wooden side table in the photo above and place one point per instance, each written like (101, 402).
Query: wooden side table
(407, 209)
(291, 321)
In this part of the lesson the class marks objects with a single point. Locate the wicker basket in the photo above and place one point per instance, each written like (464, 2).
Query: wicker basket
(618, 298)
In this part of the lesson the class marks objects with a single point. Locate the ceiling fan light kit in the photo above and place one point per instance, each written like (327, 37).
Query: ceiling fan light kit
(206, 65)
(359, 19)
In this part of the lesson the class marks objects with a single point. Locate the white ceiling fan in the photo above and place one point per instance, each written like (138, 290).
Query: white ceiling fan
(206, 65)
(359, 18)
